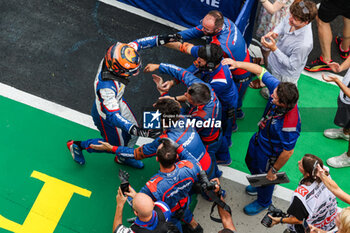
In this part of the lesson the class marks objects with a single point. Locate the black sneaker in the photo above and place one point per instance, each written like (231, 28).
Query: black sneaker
(344, 54)
(317, 65)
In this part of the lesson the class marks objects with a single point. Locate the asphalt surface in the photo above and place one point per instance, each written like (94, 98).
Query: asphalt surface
(52, 49)
(237, 198)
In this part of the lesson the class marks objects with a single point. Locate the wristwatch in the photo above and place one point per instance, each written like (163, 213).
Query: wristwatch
(273, 169)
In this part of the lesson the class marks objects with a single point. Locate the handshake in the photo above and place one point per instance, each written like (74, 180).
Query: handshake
(148, 133)
(167, 38)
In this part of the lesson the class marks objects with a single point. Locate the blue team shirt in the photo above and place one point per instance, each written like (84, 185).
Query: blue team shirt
(153, 223)
(209, 111)
(220, 80)
(231, 41)
(174, 187)
(186, 136)
(284, 130)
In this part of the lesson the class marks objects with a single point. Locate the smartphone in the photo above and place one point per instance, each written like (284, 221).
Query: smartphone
(124, 187)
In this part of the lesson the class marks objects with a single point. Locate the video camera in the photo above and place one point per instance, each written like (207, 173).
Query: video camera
(124, 181)
(204, 182)
(274, 212)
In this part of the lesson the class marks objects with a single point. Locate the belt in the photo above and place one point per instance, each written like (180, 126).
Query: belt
(241, 80)
(213, 140)
(205, 143)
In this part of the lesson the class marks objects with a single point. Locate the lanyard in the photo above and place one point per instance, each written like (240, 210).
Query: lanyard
(267, 119)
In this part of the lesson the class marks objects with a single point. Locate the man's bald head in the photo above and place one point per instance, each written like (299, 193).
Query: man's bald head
(212, 23)
(143, 205)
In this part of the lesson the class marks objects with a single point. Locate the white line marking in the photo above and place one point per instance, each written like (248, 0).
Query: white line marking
(86, 120)
(142, 13)
(53, 108)
(318, 76)
(47, 106)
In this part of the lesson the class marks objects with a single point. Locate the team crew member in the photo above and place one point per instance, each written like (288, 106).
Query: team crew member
(271, 147)
(173, 129)
(151, 216)
(173, 183)
(208, 65)
(311, 201)
(110, 112)
(222, 31)
(204, 106)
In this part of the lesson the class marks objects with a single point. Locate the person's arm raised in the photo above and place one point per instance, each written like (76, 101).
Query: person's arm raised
(251, 67)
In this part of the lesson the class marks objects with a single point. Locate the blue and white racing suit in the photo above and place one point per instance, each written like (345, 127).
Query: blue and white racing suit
(111, 113)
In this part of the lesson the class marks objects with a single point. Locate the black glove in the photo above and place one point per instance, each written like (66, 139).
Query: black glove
(148, 133)
(154, 133)
(166, 38)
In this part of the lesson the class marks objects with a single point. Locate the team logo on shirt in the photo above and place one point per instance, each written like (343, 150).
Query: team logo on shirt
(302, 191)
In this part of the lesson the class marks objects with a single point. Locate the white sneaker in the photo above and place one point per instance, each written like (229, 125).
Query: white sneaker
(336, 133)
(342, 160)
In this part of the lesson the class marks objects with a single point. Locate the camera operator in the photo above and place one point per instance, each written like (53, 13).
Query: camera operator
(225, 216)
(311, 202)
(151, 216)
(173, 183)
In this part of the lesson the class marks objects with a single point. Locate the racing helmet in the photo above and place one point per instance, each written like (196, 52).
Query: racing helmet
(122, 60)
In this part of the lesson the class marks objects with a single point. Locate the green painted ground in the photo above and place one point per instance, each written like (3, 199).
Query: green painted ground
(35, 140)
(318, 104)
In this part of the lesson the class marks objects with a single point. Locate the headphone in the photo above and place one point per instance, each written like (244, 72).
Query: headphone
(210, 64)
